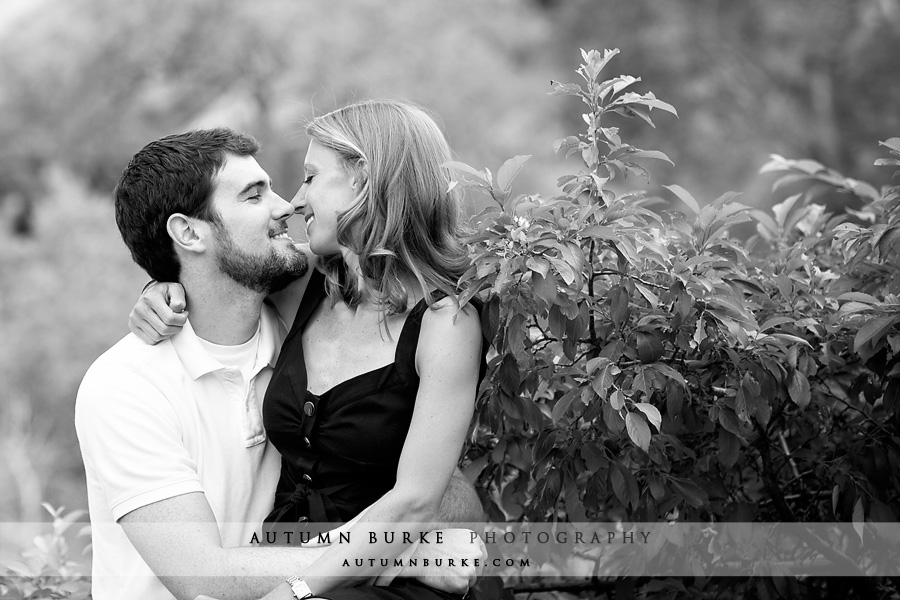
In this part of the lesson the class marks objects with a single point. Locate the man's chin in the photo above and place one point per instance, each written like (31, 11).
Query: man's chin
(296, 268)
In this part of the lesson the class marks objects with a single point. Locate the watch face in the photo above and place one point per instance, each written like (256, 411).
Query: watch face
(299, 588)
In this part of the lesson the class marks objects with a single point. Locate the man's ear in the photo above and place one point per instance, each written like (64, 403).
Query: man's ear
(188, 233)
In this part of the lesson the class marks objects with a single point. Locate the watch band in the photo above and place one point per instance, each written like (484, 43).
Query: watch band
(299, 588)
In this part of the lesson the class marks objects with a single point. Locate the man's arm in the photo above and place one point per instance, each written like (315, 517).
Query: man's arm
(179, 539)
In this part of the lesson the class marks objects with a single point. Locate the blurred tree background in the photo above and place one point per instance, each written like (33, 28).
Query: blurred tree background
(86, 83)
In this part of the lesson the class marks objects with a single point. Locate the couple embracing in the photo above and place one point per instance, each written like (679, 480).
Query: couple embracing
(282, 385)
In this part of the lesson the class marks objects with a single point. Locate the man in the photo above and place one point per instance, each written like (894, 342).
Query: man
(179, 470)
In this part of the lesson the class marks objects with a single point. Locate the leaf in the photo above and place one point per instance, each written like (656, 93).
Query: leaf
(569, 144)
(858, 297)
(873, 331)
(782, 209)
(649, 347)
(798, 389)
(651, 412)
(618, 305)
(774, 321)
(612, 418)
(695, 496)
(509, 170)
(765, 220)
(593, 457)
(729, 448)
(887, 162)
(617, 399)
(887, 241)
(563, 404)
(565, 270)
(461, 166)
(729, 420)
(490, 318)
(859, 518)
(594, 62)
(538, 265)
(667, 371)
(604, 377)
(642, 383)
(509, 375)
(601, 232)
(685, 197)
(545, 287)
(617, 479)
(656, 154)
(570, 89)
(792, 338)
(652, 298)
(638, 430)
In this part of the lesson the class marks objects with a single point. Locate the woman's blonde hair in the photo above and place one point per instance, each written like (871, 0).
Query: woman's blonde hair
(405, 222)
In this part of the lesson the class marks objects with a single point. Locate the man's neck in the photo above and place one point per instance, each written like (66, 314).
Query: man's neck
(223, 314)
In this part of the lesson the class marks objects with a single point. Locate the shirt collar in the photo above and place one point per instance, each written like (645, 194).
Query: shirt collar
(197, 361)
(271, 335)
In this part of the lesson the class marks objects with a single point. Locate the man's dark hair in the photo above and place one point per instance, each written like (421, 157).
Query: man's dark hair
(171, 175)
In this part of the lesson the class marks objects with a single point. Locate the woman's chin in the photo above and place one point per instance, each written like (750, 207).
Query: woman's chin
(323, 249)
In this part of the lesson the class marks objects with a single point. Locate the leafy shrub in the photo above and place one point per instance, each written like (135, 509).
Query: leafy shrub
(47, 571)
(652, 365)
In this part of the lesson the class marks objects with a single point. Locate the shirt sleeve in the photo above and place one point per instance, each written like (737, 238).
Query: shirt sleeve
(132, 440)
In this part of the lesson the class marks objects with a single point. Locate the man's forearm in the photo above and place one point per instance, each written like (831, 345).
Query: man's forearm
(241, 573)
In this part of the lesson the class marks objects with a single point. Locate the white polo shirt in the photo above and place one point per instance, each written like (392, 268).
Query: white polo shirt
(156, 422)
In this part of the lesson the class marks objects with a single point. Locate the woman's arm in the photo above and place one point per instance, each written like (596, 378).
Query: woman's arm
(159, 313)
(447, 360)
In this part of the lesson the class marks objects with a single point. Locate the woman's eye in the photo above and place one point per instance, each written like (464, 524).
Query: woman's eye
(254, 197)
(308, 179)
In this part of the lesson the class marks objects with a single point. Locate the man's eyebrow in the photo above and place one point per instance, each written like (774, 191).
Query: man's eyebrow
(250, 186)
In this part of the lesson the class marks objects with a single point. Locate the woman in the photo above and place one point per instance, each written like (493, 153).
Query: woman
(374, 389)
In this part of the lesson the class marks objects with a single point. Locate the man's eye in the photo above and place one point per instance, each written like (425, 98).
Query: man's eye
(254, 197)
(308, 179)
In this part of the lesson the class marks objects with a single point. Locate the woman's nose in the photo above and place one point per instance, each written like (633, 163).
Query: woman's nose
(299, 200)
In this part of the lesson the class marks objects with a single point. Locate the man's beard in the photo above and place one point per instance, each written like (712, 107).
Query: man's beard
(264, 274)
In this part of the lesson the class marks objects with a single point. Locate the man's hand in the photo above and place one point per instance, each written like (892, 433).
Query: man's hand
(159, 313)
(459, 552)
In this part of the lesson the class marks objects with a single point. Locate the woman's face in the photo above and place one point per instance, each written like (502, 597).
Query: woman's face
(327, 192)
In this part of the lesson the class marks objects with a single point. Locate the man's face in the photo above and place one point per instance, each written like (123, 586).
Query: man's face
(250, 235)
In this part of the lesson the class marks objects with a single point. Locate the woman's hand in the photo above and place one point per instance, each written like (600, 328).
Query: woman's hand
(159, 313)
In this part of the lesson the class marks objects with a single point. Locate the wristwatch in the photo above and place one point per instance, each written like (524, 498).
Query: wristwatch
(299, 587)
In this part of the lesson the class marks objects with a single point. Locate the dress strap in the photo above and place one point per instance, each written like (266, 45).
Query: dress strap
(405, 357)
(312, 296)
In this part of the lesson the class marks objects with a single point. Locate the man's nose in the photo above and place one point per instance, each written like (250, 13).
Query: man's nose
(283, 208)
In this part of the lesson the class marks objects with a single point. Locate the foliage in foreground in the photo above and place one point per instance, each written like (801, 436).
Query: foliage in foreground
(46, 570)
(650, 365)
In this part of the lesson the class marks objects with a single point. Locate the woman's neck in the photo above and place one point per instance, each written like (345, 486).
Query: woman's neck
(371, 299)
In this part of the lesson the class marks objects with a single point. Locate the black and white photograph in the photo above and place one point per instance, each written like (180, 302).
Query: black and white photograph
(471, 300)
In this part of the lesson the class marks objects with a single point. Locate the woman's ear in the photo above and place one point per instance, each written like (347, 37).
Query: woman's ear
(187, 233)
(360, 175)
